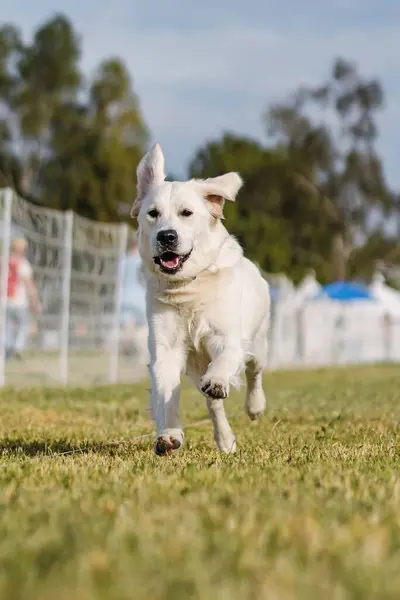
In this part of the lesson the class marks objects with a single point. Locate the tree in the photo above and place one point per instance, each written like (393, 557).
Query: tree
(10, 46)
(339, 164)
(69, 147)
(97, 147)
(317, 195)
(39, 77)
(275, 218)
(230, 153)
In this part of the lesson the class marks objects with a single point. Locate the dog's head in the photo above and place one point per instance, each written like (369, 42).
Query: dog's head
(179, 222)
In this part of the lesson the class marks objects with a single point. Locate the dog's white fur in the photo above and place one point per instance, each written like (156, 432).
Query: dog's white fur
(210, 319)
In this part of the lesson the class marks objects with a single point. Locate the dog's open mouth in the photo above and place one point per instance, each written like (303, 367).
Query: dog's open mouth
(170, 262)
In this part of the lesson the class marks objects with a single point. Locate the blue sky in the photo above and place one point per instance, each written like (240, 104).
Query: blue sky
(201, 68)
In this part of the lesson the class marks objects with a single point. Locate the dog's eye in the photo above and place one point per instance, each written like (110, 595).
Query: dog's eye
(186, 212)
(153, 213)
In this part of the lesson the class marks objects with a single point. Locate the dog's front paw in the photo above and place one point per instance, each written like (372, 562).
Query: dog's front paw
(214, 388)
(168, 443)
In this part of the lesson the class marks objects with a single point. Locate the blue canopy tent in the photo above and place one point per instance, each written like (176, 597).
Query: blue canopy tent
(344, 291)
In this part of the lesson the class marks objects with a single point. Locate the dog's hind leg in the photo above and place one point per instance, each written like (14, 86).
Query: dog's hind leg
(255, 397)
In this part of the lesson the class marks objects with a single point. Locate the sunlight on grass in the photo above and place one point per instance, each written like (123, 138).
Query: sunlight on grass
(309, 507)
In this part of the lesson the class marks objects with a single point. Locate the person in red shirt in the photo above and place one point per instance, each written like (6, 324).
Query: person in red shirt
(22, 297)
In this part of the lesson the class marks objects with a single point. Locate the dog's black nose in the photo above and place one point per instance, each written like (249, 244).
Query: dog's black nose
(168, 238)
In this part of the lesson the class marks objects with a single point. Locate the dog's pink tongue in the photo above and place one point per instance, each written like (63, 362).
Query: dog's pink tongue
(171, 263)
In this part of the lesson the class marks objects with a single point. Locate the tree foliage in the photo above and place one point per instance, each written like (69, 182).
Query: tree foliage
(316, 195)
(69, 143)
(337, 156)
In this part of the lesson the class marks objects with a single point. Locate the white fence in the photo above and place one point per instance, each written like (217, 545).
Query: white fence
(77, 270)
(322, 333)
(76, 339)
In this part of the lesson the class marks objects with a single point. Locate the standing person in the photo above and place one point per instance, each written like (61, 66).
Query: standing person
(133, 299)
(22, 298)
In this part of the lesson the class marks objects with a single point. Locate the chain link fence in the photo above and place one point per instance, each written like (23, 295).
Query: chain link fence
(77, 270)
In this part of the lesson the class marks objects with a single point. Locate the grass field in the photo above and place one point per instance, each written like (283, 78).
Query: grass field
(308, 508)
(86, 368)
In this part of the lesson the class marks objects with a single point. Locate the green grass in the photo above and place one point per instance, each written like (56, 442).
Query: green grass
(86, 368)
(308, 508)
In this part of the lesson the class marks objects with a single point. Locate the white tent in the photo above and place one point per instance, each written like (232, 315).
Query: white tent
(324, 331)
(388, 298)
(307, 289)
(285, 323)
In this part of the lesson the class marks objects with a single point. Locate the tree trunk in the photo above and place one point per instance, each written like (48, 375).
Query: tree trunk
(340, 256)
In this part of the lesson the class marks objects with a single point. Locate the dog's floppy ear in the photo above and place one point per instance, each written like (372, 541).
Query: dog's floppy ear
(218, 189)
(150, 172)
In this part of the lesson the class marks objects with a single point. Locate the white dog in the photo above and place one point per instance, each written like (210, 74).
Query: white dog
(207, 306)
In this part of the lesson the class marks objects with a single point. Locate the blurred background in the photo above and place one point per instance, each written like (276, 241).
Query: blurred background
(302, 99)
